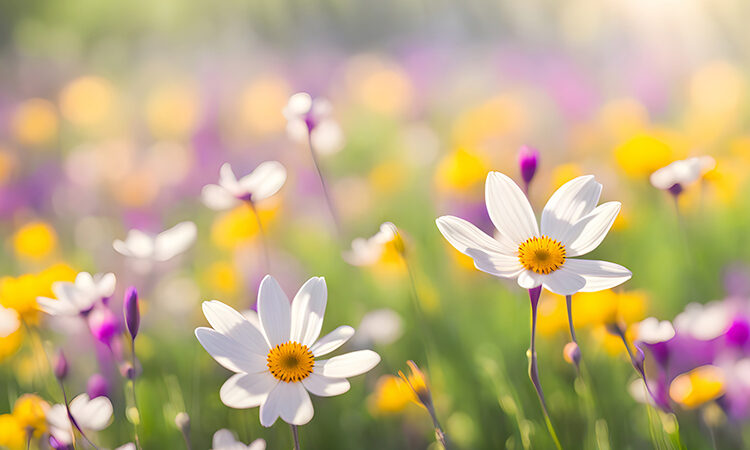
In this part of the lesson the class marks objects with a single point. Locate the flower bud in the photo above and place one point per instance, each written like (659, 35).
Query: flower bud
(61, 366)
(738, 333)
(132, 313)
(97, 386)
(128, 371)
(182, 420)
(528, 160)
(103, 324)
(572, 353)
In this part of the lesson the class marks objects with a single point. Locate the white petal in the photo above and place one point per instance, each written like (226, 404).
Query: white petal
(217, 198)
(265, 180)
(227, 321)
(504, 266)
(288, 400)
(599, 275)
(529, 280)
(228, 181)
(308, 309)
(466, 237)
(85, 282)
(57, 416)
(229, 353)
(652, 331)
(299, 104)
(247, 390)
(172, 242)
(105, 284)
(91, 414)
(349, 364)
(563, 281)
(137, 245)
(223, 438)
(323, 386)
(509, 209)
(572, 201)
(128, 446)
(258, 444)
(586, 234)
(274, 311)
(332, 340)
(9, 321)
(327, 137)
(56, 307)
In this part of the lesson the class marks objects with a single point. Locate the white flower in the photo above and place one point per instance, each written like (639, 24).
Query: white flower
(275, 365)
(572, 225)
(381, 326)
(157, 248)
(704, 322)
(89, 414)
(9, 321)
(128, 446)
(306, 115)
(225, 440)
(652, 331)
(368, 251)
(80, 296)
(683, 172)
(258, 185)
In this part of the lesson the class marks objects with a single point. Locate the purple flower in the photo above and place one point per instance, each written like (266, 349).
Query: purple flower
(528, 160)
(103, 324)
(97, 386)
(132, 312)
(61, 366)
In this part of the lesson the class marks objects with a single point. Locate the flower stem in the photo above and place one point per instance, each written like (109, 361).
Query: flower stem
(295, 436)
(439, 433)
(135, 401)
(262, 233)
(638, 367)
(533, 369)
(323, 184)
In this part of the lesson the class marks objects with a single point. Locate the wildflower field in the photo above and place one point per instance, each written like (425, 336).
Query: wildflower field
(375, 225)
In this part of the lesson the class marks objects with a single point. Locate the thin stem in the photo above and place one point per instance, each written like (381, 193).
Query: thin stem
(533, 369)
(135, 401)
(638, 367)
(327, 195)
(439, 433)
(263, 237)
(569, 304)
(295, 436)
(186, 438)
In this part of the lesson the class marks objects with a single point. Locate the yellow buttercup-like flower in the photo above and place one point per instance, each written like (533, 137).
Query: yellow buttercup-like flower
(12, 434)
(461, 170)
(20, 293)
(644, 153)
(392, 395)
(35, 240)
(697, 387)
(30, 412)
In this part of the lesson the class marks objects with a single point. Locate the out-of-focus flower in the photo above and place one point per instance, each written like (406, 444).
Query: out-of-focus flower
(79, 297)
(87, 101)
(379, 84)
(651, 330)
(572, 353)
(61, 366)
(392, 395)
(309, 118)
(103, 324)
(642, 154)
(503, 116)
(225, 440)
(89, 414)
(35, 240)
(30, 411)
(275, 364)
(9, 322)
(240, 225)
(679, 174)
(697, 387)
(369, 251)
(528, 161)
(461, 171)
(258, 185)
(132, 312)
(222, 277)
(160, 247)
(704, 322)
(20, 293)
(563, 173)
(12, 434)
(381, 326)
(266, 93)
(97, 386)
(35, 123)
(417, 381)
(572, 225)
(172, 110)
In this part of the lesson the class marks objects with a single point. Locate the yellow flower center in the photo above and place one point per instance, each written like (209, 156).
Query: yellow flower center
(541, 254)
(290, 362)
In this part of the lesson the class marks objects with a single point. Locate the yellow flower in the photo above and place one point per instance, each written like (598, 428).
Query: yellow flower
(35, 240)
(266, 93)
(240, 226)
(697, 387)
(10, 344)
(87, 101)
(392, 395)
(461, 170)
(564, 173)
(643, 153)
(172, 110)
(380, 85)
(30, 412)
(12, 434)
(222, 277)
(417, 381)
(35, 123)
(20, 293)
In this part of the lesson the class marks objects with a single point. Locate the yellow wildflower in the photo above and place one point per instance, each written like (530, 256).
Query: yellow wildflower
(12, 434)
(697, 387)
(417, 381)
(30, 412)
(35, 123)
(35, 240)
(392, 395)
(644, 153)
(462, 170)
(240, 226)
(20, 293)
(87, 101)
(222, 277)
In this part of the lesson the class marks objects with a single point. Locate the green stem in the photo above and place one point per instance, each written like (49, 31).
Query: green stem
(295, 436)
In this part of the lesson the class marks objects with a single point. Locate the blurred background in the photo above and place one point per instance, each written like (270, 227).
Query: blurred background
(114, 115)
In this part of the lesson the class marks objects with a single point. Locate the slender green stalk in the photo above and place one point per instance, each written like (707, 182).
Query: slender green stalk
(135, 401)
(263, 237)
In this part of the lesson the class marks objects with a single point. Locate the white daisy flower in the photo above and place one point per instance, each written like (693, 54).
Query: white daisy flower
(368, 251)
(653, 331)
(309, 118)
(704, 322)
(80, 296)
(90, 415)
(258, 185)
(161, 247)
(276, 365)
(572, 225)
(9, 321)
(225, 440)
(675, 176)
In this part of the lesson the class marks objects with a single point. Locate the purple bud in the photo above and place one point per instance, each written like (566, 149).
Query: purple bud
(97, 386)
(61, 366)
(572, 353)
(738, 332)
(132, 313)
(127, 371)
(638, 358)
(103, 324)
(57, 445)
(675, 189)
(528, 160)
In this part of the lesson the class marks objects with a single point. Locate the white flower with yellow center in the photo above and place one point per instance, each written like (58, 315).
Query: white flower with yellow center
(572, 225)
(276, 363)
